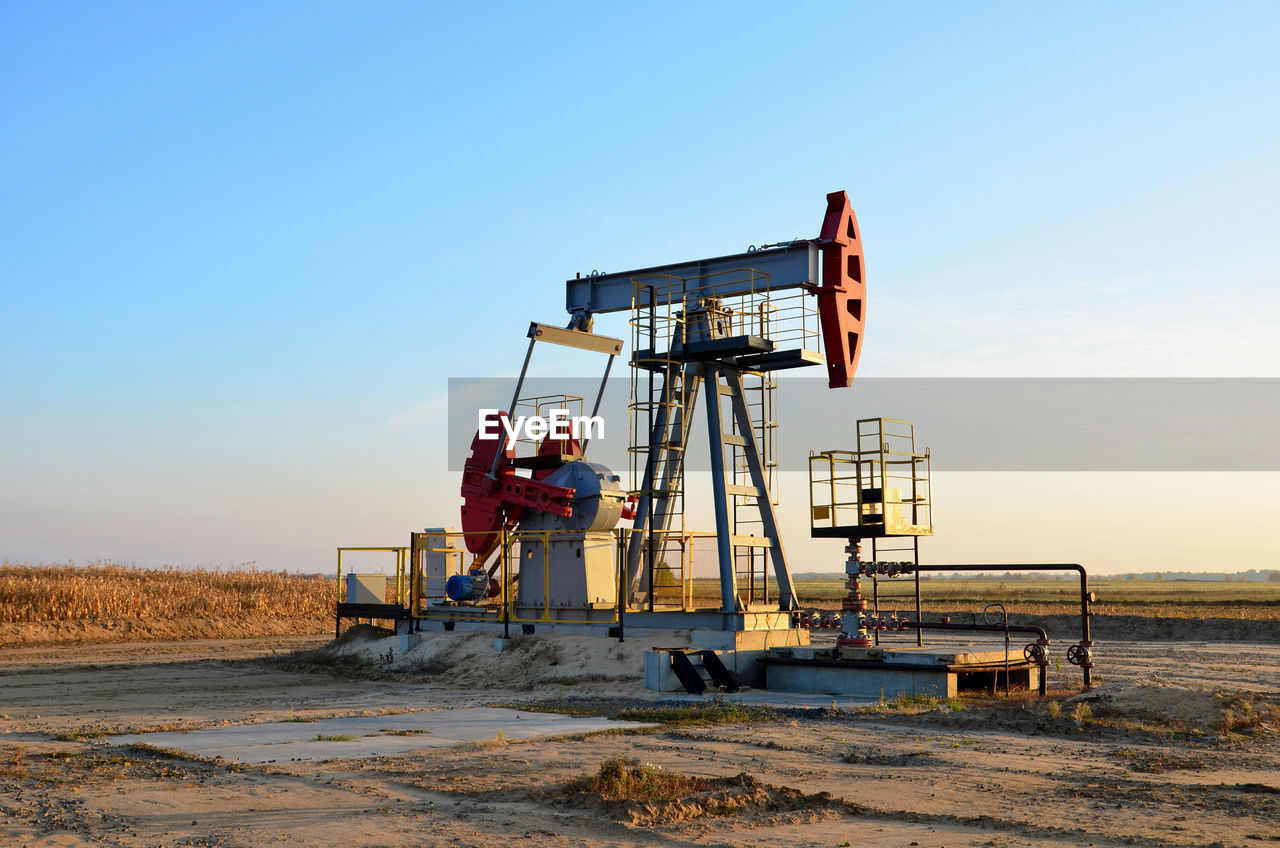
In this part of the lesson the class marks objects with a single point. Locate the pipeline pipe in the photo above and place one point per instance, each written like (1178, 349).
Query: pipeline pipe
(1086, 597)
(621, 566)
(983, 628)
(506, 581)
(915, 575)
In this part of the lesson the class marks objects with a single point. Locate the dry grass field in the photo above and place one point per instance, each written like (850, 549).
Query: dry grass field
(107, 601)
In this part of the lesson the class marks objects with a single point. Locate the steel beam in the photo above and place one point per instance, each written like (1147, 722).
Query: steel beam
(789, 267)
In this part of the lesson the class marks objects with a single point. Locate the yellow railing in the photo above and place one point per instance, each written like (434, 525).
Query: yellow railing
(401, 586)
(881, 488)
(542, 406)
(419, 586)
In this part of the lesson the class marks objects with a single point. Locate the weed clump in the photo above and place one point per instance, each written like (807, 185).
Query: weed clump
(625, 779)
(906, 704)
(650, 795)
(1241, 713)
(719, 711)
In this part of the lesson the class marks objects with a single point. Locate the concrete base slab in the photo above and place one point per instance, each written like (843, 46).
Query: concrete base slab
(739, 649)
(891, 671)
(875, 684)
(931, 655)
(370, 736)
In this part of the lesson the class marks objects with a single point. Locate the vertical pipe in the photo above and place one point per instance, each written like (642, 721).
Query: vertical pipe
(875, 605)
(649, 566)
(875, 595)
(1086, 667)
(916, 547)
(686, 571)
(620, 564)
(506, 600)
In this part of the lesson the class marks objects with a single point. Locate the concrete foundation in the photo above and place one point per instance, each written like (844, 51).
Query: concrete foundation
(658, 675)
(877, 673)
(741, 639)
(741, 652)
(751, 635)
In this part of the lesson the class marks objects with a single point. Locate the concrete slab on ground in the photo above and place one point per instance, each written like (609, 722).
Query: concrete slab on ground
(371, 736)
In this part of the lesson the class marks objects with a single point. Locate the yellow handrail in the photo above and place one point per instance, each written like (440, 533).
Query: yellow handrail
(400, 584)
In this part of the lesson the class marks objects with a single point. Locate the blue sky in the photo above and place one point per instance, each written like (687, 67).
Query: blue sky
(246, 244)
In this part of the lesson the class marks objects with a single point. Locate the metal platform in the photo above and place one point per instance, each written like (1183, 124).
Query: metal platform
(868, 531)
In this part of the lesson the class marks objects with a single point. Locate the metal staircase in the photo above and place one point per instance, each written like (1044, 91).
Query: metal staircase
(697, 669)
(750, 561)
(701, 347)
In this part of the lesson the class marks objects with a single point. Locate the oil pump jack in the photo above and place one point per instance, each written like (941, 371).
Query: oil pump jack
(700, 328)
(540, 527)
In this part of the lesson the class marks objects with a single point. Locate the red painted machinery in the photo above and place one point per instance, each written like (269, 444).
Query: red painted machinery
(492, 502)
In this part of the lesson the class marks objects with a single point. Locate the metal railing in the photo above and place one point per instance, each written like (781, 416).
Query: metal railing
(400, 595)
(881, 488)
(684, 578)
(541, 406)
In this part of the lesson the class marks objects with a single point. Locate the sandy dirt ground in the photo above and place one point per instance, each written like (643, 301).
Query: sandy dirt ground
(1147, 763)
